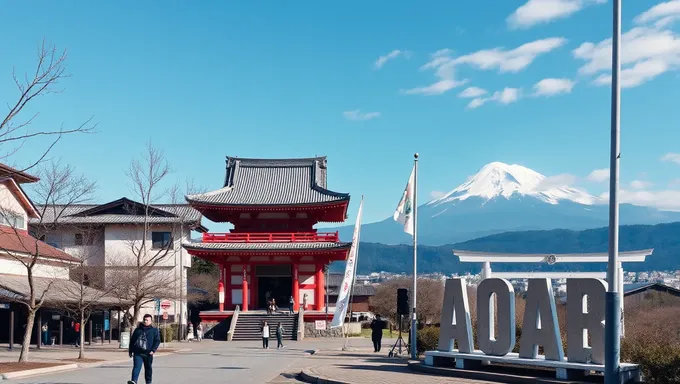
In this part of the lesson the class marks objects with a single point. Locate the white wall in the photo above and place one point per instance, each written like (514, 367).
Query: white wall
(9, 203)
(14, 267)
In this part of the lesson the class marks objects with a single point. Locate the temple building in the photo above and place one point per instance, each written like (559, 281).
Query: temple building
(273, 250)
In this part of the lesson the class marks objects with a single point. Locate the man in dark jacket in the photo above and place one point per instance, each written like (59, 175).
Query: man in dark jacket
(377, 326)
(144, 342)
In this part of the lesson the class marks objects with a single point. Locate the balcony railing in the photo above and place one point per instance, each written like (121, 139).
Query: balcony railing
(292, 237)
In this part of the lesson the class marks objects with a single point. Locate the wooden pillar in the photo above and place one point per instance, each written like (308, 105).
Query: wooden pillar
(224, 286)
(296, 288)
(38, 328)
(11, 328)
(61, 330)
(225, 269)
(110, 326)
(320, 289)
(103, 326)
(244, 289)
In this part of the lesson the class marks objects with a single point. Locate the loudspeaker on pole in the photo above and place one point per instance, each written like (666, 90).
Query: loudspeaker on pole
(402, 301)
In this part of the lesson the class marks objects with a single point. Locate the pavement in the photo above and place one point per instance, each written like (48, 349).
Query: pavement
(321, 360)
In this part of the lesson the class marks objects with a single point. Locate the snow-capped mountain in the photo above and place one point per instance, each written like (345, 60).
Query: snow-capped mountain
(502, 198)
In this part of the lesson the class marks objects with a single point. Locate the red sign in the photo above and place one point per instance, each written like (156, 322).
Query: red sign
(165, 304)
(165, 315)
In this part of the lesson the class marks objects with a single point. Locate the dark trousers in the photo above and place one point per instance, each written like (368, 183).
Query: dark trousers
(377, 341)
(290, 308)
(45, 337)
(146, 361)
(265, 342)
(279, 341)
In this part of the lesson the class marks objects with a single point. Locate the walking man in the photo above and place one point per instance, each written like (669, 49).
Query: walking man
(291, 305)
(377, 326)
(265, 335)
(144, 342)
(279, 336)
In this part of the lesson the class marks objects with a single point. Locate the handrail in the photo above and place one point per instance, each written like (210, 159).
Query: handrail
(282, 237)
(232, 325)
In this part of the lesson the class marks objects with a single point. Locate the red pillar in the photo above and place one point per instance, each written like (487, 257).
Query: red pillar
(320, 288)
(221, 288)
(296, 288)
(244, 289)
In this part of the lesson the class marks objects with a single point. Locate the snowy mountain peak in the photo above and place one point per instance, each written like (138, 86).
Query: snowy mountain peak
(498, 179)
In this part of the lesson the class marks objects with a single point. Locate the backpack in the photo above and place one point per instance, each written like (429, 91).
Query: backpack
(141, 342)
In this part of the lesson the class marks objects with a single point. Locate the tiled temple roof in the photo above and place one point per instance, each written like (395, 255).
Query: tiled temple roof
(283, 246)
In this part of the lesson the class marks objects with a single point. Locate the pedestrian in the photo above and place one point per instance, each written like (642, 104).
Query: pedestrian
(190, 332)
(144, 342)
(291, 305)
(377, 326)
(279, 336)
(265, 335)
(45, 334)
(199, 331)
(76, 328)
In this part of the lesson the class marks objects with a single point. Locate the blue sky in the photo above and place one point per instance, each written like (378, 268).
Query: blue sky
(286, 79)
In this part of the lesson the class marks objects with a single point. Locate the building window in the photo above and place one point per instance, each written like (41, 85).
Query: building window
(12, 219)
(79, 239)
(53, 239)
(161, 240)
(84, 239)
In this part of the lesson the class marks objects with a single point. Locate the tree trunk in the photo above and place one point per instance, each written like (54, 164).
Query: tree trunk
(81, 352)
(26, 342)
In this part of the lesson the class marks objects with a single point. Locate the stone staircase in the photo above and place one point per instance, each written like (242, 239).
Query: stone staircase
(249, 324)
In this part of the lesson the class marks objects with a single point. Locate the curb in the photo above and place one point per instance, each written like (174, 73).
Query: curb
(310, 376)
(38, 371)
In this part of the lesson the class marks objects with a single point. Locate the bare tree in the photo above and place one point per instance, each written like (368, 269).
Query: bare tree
(429, 300)
(43, 80)
(141, 274)
(59, 188)
(86, 290)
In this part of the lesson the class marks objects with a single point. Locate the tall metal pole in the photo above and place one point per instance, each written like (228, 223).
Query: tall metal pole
(613, 297)
(414, 321)
(180, 337)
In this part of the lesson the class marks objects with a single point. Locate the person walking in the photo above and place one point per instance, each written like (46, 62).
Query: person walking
(377, 326)
(291, 305)
(45, 334)
(144, 342)
(199, 331)
(265, 335)
(279, 336)
(76, 329)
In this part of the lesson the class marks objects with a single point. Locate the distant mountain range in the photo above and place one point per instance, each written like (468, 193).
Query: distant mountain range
(664, 238)
(501, 198)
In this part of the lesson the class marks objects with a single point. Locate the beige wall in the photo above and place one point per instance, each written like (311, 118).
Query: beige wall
(9, 203)
(14, 267)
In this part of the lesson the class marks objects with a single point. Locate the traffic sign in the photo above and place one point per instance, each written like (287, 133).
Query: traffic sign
(165, 315)
(165, 304)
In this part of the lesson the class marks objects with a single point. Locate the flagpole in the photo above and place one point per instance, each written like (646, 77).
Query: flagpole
(354, 278)
(414, 321)
(612, 339)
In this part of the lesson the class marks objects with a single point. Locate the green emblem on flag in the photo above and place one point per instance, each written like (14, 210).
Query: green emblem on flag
(407, 207)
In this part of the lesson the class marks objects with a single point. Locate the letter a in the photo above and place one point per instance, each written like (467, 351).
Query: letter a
(540, 323)
(582, 320)
(455, 320)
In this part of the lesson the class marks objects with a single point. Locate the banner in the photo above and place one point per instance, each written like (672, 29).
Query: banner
(404, 212)
(348, 280)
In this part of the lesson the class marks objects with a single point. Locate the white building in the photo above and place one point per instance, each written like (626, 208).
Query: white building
(109, 238)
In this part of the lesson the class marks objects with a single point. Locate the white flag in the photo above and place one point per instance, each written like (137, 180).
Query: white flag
(404, 212)
(348, 280)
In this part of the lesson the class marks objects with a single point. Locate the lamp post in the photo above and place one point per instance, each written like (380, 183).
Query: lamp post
(220, 295)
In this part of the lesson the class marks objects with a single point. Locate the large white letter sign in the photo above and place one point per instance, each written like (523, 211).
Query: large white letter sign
(505, 297)
(583, 319)
(540, 323)
(455, 320)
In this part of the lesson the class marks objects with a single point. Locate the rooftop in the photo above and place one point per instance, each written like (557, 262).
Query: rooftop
(21, 243)
(121, 211)
(20, 177)
(272, 182)
(57, 291)
(282, 246)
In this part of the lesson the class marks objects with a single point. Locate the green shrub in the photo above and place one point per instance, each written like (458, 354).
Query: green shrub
(168, 332)
(428, 339)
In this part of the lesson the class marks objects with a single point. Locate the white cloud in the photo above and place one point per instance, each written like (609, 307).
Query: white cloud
(559, 181)
(647, 50)
(444, 70)
(668, 200)
(513, 60)
(672, 157)
(675, 183)
(550, 87)
(535, 12)
(599, 175)
(472, 92)
(357, 115)
(506, 96)
(437, 194)
(392, 55)
(640, 184)
(662, 13)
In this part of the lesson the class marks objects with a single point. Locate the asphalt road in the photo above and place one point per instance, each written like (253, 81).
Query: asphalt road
(209, 362)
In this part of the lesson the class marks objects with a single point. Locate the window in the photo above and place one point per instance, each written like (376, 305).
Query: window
(79, 239)
(84, 239)
(12, 219)
(53, 239)
(161, 240)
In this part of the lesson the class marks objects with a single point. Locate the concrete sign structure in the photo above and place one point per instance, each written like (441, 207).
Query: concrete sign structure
(539, 329)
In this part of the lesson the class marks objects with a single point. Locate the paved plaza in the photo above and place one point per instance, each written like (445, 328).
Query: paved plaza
(247, 362)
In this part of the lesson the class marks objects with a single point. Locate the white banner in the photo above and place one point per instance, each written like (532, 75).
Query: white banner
(404, 212)
(348, 280)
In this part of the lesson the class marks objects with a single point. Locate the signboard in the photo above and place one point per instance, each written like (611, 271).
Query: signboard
(320, 325)
(165, 304)
(540, 327)
(107, 324)
(165, 315)
(124, 339)
(4, 305)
